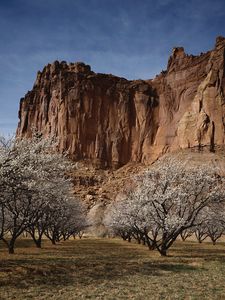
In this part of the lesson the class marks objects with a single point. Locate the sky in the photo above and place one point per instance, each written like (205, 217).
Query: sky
(127, 38)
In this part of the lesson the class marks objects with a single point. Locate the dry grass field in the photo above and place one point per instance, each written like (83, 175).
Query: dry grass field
(112, 269)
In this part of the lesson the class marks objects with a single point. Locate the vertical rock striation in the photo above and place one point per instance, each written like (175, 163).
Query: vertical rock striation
(112, 121)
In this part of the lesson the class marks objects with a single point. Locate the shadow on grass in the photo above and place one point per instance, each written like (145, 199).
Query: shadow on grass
(41, 272)
(202, 251)
(83, 262)
(20, 274)
(175, 268)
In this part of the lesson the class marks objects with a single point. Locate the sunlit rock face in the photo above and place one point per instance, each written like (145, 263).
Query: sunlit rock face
(112, 121)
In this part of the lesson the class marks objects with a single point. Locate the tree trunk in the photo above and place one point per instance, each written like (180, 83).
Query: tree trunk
(151, 247)
(163, 251)
(11, 247)
(38, 243)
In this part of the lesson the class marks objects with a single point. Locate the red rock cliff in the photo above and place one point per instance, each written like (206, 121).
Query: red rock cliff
(113, 121)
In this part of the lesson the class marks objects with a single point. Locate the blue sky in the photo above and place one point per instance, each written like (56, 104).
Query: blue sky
(128, 38)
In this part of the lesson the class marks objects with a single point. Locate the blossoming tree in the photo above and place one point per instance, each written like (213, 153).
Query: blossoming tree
(165, 201)
(34, 181)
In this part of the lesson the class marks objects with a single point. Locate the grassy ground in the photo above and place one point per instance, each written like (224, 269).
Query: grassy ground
(112, 269)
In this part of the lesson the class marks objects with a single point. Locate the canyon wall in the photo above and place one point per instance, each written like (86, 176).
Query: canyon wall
(112, 121)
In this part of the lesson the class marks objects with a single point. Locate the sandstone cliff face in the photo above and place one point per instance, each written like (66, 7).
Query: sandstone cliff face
(113, 121)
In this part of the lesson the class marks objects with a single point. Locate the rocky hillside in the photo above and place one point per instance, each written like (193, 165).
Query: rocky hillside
(111, 121)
